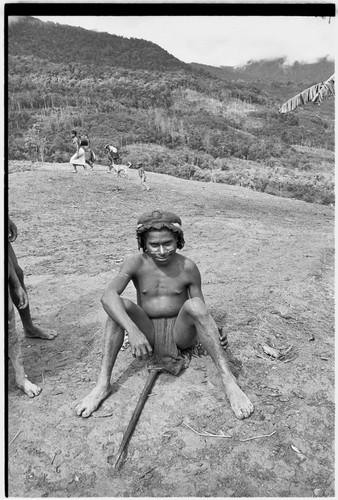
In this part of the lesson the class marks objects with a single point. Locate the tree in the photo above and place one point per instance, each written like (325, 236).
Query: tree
(37, 140)
(316, 94)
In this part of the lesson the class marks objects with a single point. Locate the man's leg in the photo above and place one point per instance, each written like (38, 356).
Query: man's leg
(15, 355)
(110, 163)
(113, 340)
(195, 321)
(29, 328)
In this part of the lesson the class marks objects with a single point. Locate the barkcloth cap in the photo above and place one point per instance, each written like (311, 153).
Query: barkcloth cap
(159, 219)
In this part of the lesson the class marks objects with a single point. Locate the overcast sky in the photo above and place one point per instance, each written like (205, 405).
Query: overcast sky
(221, 40)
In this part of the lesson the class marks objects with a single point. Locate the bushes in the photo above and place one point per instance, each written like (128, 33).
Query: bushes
(272, 177)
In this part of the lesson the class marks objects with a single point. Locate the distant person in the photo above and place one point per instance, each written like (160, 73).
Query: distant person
(76, 141)
(30, 329)
(113, 156)
(170, 314)
(79, 159)
(90, 157)
(142, 175)
(84, 139)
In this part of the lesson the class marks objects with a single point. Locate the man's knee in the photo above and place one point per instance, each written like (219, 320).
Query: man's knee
(128, 305)
(196, 308)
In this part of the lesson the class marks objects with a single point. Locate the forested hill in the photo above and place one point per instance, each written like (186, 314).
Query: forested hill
(59, 43)
(177, 118)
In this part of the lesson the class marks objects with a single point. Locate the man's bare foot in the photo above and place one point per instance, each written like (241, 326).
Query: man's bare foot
(35, 332)
(91, 402)
(28, 387)
(240, 403)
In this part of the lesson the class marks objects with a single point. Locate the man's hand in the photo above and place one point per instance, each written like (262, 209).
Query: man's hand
(223, 338)
(12, 231)
(140, 347)
(23, 297)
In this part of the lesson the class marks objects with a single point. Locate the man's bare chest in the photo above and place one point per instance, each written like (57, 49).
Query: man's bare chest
(161, 284)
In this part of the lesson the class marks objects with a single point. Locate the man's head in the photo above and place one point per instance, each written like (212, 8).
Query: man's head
(159, 221)
(74, 133)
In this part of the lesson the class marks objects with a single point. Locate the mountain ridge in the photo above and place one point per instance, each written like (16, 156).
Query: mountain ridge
(60, 43)
(137, 53)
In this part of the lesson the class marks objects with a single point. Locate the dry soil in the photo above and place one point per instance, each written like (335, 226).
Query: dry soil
(267, 270)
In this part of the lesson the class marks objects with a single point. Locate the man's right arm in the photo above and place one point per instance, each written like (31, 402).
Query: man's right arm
(20, 292)
(111, 300)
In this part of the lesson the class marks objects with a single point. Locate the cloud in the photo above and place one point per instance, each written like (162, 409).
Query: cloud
(13, 19)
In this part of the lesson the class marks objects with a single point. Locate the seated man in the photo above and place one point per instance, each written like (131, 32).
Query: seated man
(170, 308)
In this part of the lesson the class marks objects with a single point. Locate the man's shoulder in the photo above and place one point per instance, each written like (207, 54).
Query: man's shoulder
(189, 264)
(135, 261)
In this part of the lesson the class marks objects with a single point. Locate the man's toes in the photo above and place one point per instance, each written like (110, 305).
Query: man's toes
(79, 410)
(31, 393)
(50, 335)
(246, 412)
(238, 412)
(82, 411)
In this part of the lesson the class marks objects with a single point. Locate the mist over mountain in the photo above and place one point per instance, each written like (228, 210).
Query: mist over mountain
(274, 70)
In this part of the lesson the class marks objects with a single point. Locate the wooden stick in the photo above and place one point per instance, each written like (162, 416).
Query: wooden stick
(103, 416)
(16, 435)
(258, 437)
(206, 433)
(142, 399)
(88, 341)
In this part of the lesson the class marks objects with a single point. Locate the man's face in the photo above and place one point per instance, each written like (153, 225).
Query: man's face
(161, 246)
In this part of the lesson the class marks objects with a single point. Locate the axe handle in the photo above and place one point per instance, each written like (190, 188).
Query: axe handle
(142, 399)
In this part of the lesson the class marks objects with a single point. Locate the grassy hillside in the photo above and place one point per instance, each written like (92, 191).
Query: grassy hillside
(130, 92)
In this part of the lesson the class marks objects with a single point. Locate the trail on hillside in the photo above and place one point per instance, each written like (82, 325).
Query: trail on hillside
(267, 273)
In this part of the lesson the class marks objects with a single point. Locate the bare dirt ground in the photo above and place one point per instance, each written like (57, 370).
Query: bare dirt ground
(267, 269)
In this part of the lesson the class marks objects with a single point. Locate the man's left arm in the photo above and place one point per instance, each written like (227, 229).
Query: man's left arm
(195, 285)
